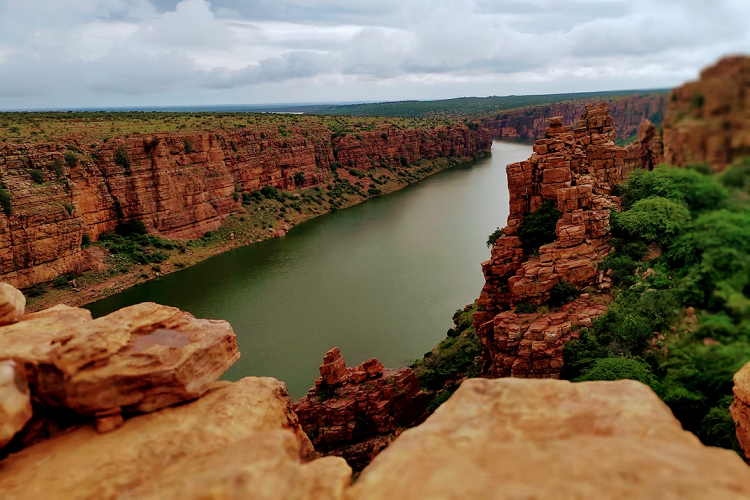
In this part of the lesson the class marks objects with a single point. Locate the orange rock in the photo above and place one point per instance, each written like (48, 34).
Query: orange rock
(740, 408)
(15, 401)
(89, 366)
(12, 304)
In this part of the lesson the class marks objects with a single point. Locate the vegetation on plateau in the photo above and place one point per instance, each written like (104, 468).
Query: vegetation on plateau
(680, 318)
(457, 357)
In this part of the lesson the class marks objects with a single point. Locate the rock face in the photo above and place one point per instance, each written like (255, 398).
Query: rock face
(239, 440)
(15, 401)
(740, 408)
(135, 360)
(708, 120)
(574, 170)
(12, 304)
(176, 190)
(531, 122)
(646, 152)
(356, 412)
(511, 439)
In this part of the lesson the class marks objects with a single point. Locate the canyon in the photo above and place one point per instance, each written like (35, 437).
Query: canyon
(243, 439)
(180, 185)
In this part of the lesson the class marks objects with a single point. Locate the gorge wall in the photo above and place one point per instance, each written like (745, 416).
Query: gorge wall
(572, 170)
(179, 184)
(627, 114)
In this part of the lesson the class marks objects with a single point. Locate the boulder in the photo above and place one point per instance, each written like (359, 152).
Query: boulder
(12, 304)
(15, 402)
(740, 408)
(240, 440)
(138, 359)
(526, 438)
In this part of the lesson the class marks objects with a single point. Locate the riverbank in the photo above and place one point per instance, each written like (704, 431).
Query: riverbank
(268, 214)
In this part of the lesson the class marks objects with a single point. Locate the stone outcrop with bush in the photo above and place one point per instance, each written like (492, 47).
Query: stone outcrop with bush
(179, 184)
(557, 232)
(355, 412)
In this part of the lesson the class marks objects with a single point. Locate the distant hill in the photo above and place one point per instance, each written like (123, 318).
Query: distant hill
(468, 106)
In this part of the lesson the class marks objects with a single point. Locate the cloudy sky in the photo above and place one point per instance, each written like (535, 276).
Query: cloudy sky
(89, 53)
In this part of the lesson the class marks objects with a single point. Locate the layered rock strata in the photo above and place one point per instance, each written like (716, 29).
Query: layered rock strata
(180, 185)
(740, 408)
(574, 170)
(356, 412)
(492, 438)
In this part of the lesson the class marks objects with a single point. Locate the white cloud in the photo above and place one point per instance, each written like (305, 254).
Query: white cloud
(130, 52)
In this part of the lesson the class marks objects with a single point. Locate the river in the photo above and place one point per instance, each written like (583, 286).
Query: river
(379, 280)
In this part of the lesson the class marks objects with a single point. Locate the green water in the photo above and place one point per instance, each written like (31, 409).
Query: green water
(379, 280)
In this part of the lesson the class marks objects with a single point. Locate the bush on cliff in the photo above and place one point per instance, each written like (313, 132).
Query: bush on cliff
(538, 228)
(493, 237)
(562, 293)
(122, 158)
(5, 201)
(688, 358)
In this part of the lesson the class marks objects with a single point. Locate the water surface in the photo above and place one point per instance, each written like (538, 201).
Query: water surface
(379, 280)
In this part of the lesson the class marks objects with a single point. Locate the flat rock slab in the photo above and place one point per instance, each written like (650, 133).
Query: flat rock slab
(135, 360)
(240, 440)
(526, 438)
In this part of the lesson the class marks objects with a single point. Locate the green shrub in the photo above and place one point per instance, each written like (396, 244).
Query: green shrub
(56, 166)
(493, 237)
(651, 219)
(299, 179)
(623, 267)
(562, 293)
(37, 291)
(441, 398)
(85, 240)
(373, 191)
(538, 228)
(699, 192)
(6, 201)
(122, 158)
(619, 368)
(188, 146)
(71, 158)
(130, 227)
(525, 308)
(37, 175)
(738, 175)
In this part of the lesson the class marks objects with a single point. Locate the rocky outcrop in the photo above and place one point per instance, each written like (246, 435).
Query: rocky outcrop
(356, 412)
(12, 304)
(179, 184)
(15, 402)
(574, 170)
(511, 438)
(740, 408)
(135, 360)
(708, 120)
(240, 440)
(647, 151)
(531, 122)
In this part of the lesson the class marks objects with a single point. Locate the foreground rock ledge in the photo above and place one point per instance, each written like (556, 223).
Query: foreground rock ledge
(240, 440)
(135, 360)
(515, 438)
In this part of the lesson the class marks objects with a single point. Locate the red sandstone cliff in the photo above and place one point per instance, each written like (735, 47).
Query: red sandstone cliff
(180, 185)
(627, 113)
(708, 120)
(575, 170)
(357, 412)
